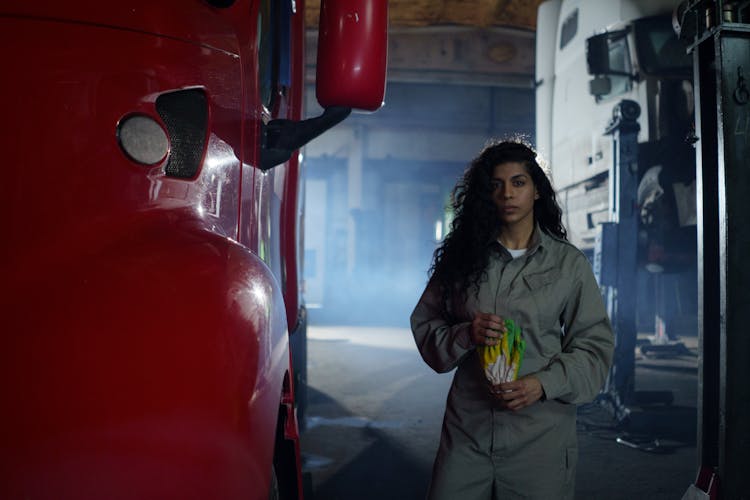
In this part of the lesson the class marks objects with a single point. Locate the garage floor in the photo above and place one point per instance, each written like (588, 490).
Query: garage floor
(375, 410)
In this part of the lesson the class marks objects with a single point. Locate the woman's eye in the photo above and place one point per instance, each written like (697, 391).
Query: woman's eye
(518, 183)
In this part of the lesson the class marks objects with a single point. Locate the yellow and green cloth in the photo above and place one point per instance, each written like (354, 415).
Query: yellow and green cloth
(502, 361)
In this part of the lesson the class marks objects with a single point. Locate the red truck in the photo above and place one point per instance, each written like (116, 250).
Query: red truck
(150, 258)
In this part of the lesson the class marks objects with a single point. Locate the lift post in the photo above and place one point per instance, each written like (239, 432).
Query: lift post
(719, 36)
(615, 256)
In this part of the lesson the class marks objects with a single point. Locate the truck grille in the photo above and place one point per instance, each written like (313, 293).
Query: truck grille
(185, 113)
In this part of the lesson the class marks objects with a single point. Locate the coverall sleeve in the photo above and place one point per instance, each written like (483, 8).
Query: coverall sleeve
(578, 372)
(442, 345)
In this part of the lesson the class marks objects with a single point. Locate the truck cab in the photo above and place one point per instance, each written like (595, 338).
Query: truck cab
(591, 56)
(151, 264)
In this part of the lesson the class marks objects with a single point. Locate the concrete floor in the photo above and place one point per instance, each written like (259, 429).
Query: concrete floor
(375, 411)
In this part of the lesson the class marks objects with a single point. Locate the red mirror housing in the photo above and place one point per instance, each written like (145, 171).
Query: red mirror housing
(352, 53)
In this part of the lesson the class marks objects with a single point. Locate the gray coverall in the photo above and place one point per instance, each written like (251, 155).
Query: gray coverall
(488, 452)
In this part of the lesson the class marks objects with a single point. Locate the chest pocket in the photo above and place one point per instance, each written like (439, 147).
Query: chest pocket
(547, 292)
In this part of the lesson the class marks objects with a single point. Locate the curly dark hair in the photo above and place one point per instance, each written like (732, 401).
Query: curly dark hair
(460, 261)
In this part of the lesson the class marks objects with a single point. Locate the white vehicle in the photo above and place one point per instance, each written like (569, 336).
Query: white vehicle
(635, 56)
(597, 59)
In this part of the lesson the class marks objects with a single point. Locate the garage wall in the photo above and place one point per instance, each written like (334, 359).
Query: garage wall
(378, 186)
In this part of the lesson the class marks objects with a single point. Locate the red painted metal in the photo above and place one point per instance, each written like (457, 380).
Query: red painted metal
(145, 317)
(708, 482)
(355, 30)
(145, 345)
(291, 237)
(196, 21)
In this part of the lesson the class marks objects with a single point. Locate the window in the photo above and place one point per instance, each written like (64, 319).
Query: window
(619, 67)
(265, 52)
(569, 29)
(619, 61)
(274, 47)
(660, 52)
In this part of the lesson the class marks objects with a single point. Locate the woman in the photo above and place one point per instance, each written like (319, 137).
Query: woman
(507, 257)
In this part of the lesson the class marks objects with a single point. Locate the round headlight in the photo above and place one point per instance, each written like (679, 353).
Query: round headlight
(143, 139)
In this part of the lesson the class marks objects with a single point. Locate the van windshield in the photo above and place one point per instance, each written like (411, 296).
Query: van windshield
(659, 51)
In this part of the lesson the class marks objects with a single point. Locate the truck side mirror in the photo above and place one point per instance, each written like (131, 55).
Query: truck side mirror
(597, 54)
(600, 86)
(352, 53)
(597, 60)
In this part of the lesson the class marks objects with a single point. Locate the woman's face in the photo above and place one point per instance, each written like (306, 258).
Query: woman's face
(514, 193)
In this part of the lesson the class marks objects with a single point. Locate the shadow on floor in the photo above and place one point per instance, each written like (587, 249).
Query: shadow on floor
(381, 469)
(670, 426)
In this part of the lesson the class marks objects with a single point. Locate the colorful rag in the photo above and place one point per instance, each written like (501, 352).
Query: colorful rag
(502, 361)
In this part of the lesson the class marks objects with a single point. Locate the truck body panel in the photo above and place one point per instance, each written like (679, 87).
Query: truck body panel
(192, 333)
(149, 304)
(195, 21)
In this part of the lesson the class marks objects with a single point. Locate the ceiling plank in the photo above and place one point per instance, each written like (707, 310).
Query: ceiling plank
(482, 13)
(458, 55)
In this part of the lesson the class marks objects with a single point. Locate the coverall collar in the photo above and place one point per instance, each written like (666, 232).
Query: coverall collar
(537, 241)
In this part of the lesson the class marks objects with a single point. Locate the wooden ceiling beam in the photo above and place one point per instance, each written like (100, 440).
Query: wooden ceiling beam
(457, 55)
(482, 13)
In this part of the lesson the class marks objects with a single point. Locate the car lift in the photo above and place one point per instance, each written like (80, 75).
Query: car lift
(717, 33)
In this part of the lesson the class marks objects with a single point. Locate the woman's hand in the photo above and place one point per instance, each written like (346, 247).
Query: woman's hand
(486, 328)
(520, 393)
